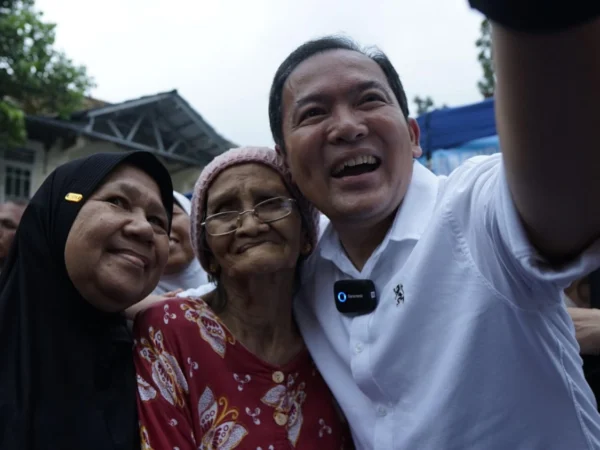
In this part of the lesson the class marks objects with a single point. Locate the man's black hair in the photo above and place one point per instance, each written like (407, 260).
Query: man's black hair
(312, 48)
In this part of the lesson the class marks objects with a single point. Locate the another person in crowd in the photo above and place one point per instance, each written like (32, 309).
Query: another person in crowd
(10, 216)
(183, 270)
(230, 369)
(93, 241)
(586, 320)
(467, 269)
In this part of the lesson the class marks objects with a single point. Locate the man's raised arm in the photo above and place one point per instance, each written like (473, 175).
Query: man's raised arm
(548, 119)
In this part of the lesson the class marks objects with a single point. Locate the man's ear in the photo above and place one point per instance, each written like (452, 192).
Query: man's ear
(415, 135)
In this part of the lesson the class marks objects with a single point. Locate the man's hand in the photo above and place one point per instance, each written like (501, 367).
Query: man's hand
(587, 329)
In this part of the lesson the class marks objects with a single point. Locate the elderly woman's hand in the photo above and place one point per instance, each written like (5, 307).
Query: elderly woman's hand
(172, 294)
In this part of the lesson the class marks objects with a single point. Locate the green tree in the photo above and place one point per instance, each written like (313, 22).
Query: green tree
(487, 84)
(425, 105)
(35, 78)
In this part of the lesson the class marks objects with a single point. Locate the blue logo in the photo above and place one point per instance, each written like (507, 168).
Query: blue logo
(341, 297)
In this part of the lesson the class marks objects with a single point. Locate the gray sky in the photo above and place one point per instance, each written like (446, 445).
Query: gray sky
(221, 55)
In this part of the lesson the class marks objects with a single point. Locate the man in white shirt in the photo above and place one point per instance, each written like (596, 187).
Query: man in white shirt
(469, 346)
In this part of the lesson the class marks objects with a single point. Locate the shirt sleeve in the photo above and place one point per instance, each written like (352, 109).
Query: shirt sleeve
(163, 394)
(198, 292)
(484, 219)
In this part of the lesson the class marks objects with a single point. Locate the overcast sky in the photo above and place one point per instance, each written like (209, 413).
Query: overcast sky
(221, 55)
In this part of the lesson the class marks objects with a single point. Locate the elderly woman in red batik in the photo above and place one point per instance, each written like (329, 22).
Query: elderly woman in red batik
(229, 369)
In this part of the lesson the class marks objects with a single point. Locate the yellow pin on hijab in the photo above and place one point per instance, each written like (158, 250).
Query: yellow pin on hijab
(73, 197)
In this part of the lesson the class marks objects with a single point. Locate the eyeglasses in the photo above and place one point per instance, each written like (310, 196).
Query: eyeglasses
(270, 210)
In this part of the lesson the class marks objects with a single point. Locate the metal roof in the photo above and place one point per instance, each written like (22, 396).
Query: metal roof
(164, 124)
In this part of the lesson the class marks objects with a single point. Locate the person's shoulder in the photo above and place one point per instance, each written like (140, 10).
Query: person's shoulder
(198, 292)
(169, 313)
(475, 167)
(477, 175)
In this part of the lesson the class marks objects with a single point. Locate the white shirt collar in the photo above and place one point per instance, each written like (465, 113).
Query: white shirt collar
(416, 209)
(410, 222)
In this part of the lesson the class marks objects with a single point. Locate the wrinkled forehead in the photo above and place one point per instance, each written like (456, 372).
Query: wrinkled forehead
(244, 178)
(135, 183)
(332, 72)
(131, 178)
(123, 171)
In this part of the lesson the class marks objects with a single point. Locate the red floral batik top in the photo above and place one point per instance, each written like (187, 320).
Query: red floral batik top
(199, 388)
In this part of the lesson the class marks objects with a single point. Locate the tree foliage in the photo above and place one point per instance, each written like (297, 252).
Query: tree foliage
(35, 78)
(425, 105)
(487, 84)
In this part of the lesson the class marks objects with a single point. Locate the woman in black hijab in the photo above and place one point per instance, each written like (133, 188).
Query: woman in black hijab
(93, 241)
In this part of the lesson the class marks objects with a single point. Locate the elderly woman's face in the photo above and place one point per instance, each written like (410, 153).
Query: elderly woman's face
(255, 247)
(118, 245)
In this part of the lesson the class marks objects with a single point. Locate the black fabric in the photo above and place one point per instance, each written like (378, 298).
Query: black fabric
(594, 278)
(538, 15)
(67, 380)
(591, 363)
(591, 370)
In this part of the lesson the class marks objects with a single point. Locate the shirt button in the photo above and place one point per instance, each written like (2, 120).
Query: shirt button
(278, 377)
(280, 419)
(358, 348)
(381, 411)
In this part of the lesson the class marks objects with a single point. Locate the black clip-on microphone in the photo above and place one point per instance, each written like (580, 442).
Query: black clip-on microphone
(355, 297)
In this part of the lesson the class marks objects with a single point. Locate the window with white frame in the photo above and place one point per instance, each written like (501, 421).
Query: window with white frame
(16, 166)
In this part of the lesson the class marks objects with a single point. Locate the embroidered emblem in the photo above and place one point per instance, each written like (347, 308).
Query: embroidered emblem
(399, 291)
(73, 197)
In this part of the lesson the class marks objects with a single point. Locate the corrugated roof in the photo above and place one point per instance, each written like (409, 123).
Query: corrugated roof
(163, 122)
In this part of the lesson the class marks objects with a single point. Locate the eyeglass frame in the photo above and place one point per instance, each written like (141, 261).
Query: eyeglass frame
(253, 211)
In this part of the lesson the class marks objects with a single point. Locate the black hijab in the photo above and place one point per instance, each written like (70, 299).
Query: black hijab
(67, 380)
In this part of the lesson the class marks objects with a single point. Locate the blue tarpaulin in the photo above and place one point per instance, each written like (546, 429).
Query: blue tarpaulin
(450, 127)
(449, 136)
(444, 161)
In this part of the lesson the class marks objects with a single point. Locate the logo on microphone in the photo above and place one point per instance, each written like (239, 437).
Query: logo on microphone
(342, 297)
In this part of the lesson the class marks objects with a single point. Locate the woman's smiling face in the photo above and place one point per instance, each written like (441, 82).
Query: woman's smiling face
(255, 247)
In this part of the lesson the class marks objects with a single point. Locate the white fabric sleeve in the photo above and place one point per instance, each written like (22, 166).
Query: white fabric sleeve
(199, 291)
(480, 208)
